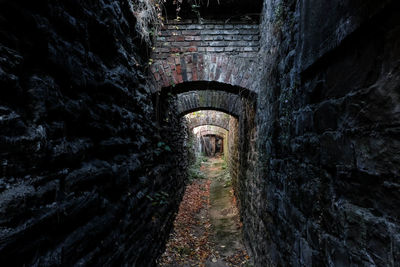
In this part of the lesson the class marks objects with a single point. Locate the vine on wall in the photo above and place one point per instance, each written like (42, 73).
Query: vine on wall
(149, 18)
(151, 14)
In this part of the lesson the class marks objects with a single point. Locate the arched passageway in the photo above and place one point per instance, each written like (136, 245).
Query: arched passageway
(222, 105)
(220, 119)
(92, 170)
(209, 99)
(208, 117)
(211, 141)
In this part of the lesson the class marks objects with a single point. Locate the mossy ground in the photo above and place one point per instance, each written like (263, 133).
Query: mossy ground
(207, 230)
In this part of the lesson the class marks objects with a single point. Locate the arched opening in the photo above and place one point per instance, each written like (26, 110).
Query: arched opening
(199, 86)
(209, 141)
(92, 175)
(219, 122)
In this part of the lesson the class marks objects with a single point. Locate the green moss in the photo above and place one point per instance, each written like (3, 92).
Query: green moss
(194, 171)
(280, 14)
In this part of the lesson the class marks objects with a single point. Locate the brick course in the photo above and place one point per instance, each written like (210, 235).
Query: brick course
(179, 37)
(209, 99)
(205, 52)
(208, 117)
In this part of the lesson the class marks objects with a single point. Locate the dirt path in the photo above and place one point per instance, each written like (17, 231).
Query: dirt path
(207, 230)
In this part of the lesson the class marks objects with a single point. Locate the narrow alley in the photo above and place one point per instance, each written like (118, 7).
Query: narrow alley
(180, 133)
(207, 229)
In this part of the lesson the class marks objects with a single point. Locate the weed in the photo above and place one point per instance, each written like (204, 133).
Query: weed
(194, 171)
(149, 19)
(280, 14)
(160, 198)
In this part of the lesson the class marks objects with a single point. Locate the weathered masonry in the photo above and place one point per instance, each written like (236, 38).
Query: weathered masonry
(213, 51)
(207, 117)
(211, 141)
(209, 99)
(94, 141)
(215, 123)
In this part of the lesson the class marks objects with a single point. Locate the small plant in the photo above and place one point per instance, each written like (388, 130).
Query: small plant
(195, 174)
(224, 165)
(149, 17)
(280, 14)
(194, 171)
(161, 147)
(195, 9)
(225, 178)
(164, 146)
(160, 198)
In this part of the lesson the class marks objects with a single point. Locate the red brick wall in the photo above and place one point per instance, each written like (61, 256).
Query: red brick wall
(231, 39)
(225, 53)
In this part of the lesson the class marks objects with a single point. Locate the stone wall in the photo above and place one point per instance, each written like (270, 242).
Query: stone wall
(327, 189)
(242, 150)
(246, 170)
(87, 177)
(226, 149)
(233, 151)
(92, 170)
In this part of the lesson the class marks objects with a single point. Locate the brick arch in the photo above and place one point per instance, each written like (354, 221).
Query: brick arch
(208, 117)
(227, 69)
(211, 130)
(226, 127)
(191, 101)
(219, 134)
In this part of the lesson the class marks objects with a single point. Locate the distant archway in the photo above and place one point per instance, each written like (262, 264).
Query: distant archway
(211, 140)
(209, 99)
(208, 117)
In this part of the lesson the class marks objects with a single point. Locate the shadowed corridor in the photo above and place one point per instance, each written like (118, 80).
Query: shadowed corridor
(280, 116)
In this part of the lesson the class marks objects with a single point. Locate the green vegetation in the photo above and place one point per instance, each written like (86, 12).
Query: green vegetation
(225, 176)
(280, 14)
(161, 147)
(149, 19)
(224, 164)
(194, 171)
(158, 199)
